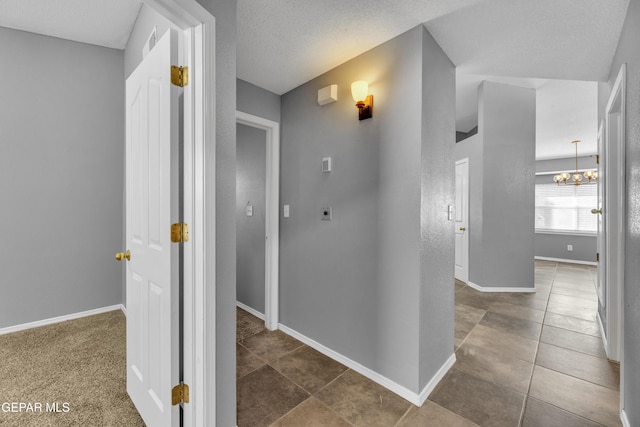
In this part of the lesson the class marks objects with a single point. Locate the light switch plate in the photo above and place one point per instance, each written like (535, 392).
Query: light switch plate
(286, 211)
(327, 214)
(249, 210)
(326, 164)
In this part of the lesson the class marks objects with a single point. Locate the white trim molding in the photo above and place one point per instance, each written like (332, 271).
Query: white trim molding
(566, 261)
(416, 398)
(59, 319)
(624, 418)
(272, 220)
(500, 289)
(250, 310)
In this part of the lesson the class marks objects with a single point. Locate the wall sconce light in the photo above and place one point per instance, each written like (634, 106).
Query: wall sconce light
(364, 101)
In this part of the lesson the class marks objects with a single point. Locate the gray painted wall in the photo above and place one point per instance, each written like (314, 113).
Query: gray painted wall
(627, 52)
(507, 123)
(501, 187)
(437, 246)
(61, 177)
(257, 101)
(555, 245)
(250, 230)
(368, 308)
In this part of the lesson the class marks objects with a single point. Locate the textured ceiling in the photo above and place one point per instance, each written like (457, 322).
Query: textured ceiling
(285, 43)
(105, 23)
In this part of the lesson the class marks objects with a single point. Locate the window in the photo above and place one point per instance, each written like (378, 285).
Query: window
(566, 208)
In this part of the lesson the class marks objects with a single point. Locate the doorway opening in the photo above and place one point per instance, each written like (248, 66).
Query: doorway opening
(256, 176)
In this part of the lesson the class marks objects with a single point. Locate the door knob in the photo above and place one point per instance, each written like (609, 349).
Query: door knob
(462, 228)
(596, 211)
(121, 255)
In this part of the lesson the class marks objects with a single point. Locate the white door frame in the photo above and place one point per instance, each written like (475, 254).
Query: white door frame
(465, 233)
(615, 203)
(272, 226)
(199, 252)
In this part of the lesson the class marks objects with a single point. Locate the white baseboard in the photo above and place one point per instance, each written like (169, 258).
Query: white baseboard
(250, 310)
(124, 309)
(624, 419)
(405, 393)
(568, 261)
(602, 334)
(59, 319)
(431, 385)
(499, 289)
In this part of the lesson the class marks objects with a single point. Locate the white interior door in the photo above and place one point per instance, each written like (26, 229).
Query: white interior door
(462, 220)
(600, 245)
(151, 207)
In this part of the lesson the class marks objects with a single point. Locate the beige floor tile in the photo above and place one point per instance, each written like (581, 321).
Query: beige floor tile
(264, 395)
(512, 325)
(591, 401)
(572, 310)
(311, 413)
(541, 414)
(502, 342)
(309, 368)
(247, 325)
(589, 368)
(246, 362)
(585, 294)
(518, 311)
(494, 367)
(572, 324)
(477, 400)
(576, 341)
(271, 345)
(588, 303)
(432, 414)
(363, 402)
(526, 300)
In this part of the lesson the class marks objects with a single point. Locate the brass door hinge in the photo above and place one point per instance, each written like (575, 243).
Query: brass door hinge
(597, 256)
(179, 75)
(180, 394)
(179, 232)
(597, 159)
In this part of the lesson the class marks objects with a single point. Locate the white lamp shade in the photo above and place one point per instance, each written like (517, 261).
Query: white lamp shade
(359, 90)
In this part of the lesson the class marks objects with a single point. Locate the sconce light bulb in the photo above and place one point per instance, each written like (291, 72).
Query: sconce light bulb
(359, 90)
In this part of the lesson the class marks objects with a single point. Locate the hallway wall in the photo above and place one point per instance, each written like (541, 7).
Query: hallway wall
(357, 284)
(501, 187)
(627, 52)
(61, 177)
(250, 230)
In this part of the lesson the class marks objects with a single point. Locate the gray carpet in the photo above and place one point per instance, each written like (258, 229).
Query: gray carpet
(79, 365)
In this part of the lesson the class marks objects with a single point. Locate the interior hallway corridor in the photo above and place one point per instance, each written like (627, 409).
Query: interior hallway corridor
(522, 359)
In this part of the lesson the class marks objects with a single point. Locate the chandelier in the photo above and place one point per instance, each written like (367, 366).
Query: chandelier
(576, 178)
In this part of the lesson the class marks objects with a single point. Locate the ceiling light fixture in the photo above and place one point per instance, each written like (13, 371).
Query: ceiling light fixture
(576, 178)
(364, 101)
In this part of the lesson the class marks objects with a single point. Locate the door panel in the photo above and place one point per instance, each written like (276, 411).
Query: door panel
(151, 207)
(462, 221)
(601, 219)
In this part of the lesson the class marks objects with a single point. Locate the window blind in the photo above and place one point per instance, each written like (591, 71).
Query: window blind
(566, 208)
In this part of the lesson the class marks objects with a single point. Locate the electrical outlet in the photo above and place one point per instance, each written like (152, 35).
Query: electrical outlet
(569, 248)
(326, 214)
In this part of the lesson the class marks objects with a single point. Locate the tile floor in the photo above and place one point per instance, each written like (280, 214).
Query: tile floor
(522, 360)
